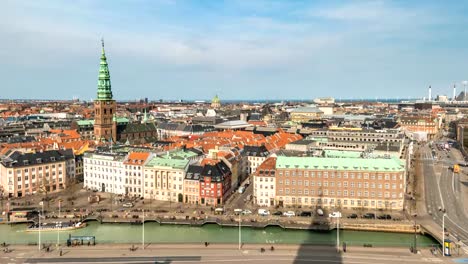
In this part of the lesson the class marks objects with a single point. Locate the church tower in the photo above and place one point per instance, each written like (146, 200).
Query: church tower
(104, 105)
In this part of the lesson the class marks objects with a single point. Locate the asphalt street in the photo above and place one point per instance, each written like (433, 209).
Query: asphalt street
(443, 192)
(289, 254)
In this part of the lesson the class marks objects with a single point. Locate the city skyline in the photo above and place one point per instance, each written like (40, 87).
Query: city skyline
(236, 49)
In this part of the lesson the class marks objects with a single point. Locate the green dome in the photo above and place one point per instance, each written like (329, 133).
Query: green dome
(216, 99)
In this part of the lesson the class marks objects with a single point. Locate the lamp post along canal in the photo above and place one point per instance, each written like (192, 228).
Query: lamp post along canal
(337, 215)
(41, 214)
(240, 236)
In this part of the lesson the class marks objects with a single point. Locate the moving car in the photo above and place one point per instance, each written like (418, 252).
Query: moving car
(289, 214)
(306, 214)
(263, 212)
(320, 212)
(369, 216)
(353, 216)
(127, 205)
(237, 211)
(246, 212)
(385, 216)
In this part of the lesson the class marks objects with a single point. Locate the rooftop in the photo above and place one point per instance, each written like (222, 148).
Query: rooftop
(319, 163)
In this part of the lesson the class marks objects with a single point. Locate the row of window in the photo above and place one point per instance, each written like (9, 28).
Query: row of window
(340, 184)
(338, 175)
(344, 193)
(26, 170)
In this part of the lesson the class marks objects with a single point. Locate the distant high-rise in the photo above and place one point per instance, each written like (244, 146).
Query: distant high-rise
(104, 105)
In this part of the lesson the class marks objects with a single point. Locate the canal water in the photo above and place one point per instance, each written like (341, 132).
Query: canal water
(156, 233)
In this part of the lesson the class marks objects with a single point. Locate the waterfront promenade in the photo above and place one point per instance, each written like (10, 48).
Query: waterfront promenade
(219, 253)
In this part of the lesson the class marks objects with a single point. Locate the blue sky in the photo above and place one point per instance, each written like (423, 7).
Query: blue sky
(241, 49)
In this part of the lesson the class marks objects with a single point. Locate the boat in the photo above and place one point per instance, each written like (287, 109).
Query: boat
(64, 226)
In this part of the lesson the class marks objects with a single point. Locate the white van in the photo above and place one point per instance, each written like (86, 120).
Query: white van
(263, 212)
(241, 189)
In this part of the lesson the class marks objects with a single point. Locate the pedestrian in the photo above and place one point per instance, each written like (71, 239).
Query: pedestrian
(206, 244)
(60, 252)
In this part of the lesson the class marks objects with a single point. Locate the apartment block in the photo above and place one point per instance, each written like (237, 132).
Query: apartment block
(41, 172)
(105, 171)
(264, 181)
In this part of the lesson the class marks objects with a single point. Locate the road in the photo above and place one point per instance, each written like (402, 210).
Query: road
(239, 200)
(443, 191)
(283, 254)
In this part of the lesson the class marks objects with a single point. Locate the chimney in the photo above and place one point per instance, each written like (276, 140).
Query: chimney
(430, 93)
(454, 92)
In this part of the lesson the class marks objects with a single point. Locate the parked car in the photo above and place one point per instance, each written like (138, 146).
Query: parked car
(263, 212)
(353, 216)
(246, 212)
(385, 216)
(127, 205)
(241, 189)
(237, 211)
(289, 213)
(306, 214)
(369, 216)
(320, 212)
(278, 213)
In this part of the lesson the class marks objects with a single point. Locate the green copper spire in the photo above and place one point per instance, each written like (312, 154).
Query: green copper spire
(104, 84)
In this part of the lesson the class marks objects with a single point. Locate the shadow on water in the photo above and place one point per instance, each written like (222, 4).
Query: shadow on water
(313, 251)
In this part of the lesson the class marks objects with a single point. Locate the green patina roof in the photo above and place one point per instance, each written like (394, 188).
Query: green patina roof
(104, 84)
(121, 120)
(215, 99)
(168, 162)
(342, 154)
(180, 154)
(87, 122)
(90, 122)
(317, 163)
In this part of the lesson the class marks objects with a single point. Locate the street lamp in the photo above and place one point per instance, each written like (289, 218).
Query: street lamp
(143, 232)
(240, 220)
(443, 234)
(337, 215)
(41, 214)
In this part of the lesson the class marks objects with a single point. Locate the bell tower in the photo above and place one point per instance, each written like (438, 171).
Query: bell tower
(104, 105)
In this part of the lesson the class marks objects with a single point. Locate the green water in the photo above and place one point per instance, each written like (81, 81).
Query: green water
(155, 233)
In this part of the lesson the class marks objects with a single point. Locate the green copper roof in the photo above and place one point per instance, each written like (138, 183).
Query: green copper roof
(316, 163)
(86, 122)
(104, 83)
(168, 162)
(181, 154)
(215, 99)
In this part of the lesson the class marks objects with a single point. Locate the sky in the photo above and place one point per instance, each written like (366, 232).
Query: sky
(240, 49)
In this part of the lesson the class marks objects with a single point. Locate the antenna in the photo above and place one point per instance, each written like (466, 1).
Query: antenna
(454, 92)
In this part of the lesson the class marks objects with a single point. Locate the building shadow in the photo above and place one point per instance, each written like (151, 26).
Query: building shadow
(319, 246)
